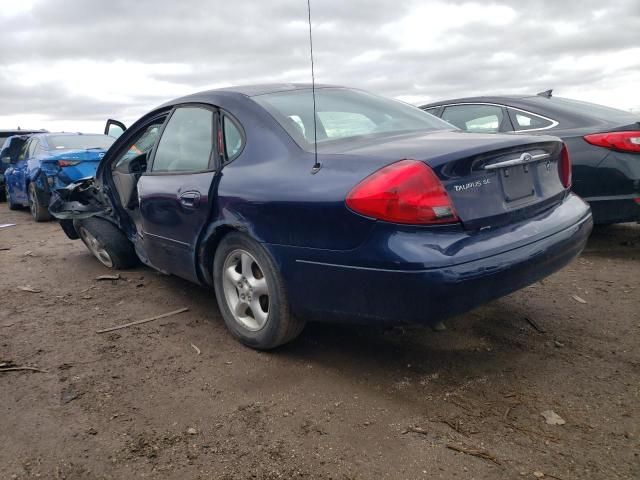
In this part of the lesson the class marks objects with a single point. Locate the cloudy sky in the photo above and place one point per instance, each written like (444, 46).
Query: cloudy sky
(70, 64)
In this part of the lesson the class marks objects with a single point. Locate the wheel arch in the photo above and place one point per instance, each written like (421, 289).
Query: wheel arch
(39, 179)
(208, 245)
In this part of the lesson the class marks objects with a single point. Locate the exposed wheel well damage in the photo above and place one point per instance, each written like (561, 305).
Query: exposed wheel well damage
(208, 247)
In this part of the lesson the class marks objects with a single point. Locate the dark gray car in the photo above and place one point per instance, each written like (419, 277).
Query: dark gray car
(604, 143)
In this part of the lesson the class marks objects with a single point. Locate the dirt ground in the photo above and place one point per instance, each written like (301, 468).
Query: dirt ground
(179, 398)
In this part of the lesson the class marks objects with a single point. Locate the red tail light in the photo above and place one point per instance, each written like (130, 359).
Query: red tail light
(68, 163)
(623, 141)
(564, 167)
(407, 192)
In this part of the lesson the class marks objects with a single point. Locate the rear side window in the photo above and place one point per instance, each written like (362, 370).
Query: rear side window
(528, 121)
(186, 143)
(475, 118)
(233, 141)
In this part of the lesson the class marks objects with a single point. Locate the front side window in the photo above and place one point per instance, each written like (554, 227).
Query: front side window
(23, 152)
(528, 121)
(141, 145)
(475, 118)
(186, 143)
(343, 114)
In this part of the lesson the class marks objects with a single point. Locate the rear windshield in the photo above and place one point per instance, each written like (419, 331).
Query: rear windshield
(79, 142)
(343, 114)
(591, 109)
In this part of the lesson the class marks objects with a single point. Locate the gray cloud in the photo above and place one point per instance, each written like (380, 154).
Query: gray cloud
(250, 41)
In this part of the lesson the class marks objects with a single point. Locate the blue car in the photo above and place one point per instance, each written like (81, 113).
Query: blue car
(48, 161)
(10, 143)
(391, 216)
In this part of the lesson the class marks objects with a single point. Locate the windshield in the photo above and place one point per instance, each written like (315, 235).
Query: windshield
(79, 142)
(344, 113)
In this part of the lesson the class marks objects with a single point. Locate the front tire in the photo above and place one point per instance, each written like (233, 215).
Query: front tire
(251, 294)
(38, 212)
(107, 243)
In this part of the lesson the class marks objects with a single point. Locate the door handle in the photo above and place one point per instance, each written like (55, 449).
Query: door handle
(190, 199)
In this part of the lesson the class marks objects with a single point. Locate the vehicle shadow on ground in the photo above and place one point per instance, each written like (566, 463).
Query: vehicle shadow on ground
(620, 241)
(480, 343)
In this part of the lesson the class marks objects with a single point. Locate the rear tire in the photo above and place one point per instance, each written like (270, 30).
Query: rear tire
(251, 294)
(38, 212)
(107, 243)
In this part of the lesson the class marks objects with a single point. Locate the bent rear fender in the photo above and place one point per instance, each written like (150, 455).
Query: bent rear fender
(209, 240)
(39, 177)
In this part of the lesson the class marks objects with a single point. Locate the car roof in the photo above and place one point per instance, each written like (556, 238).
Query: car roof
(485, 99)
(62, 134)
(244, 91)
(21, 131)
(262, 89)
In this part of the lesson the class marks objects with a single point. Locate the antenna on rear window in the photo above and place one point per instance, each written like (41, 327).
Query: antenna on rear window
(316, 165)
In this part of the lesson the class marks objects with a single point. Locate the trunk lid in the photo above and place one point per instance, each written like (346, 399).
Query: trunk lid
(73, 165)
(491, 179)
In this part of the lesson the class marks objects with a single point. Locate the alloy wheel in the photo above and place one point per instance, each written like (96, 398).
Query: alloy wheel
(33, 201)
(96, 247)
(246, 290)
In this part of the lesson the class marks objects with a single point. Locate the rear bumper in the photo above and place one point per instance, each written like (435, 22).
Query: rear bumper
(615, 209)
(460, 270)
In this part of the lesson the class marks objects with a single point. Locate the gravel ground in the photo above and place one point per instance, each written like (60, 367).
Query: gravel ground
(179, 398)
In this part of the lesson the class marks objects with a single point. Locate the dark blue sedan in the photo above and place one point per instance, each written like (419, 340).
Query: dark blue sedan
(47, 161)
(399, 218)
